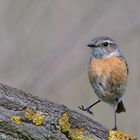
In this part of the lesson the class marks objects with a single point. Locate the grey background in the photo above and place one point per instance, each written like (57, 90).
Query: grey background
(43, 51)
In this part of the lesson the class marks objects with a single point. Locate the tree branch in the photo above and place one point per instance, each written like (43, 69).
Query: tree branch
(23, 116)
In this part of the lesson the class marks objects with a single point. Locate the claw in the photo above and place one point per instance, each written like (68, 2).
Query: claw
(114, 129)
(86, 109)
(81, 107)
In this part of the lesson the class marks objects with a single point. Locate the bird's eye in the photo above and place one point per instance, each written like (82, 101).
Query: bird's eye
(105, 44)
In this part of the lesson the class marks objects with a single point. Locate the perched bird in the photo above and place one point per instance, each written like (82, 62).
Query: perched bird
(108, 73)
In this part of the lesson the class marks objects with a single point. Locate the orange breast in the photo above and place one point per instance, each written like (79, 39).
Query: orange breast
(111, 70)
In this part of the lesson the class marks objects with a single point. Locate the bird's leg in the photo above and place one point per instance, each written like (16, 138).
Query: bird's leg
(115, 120)
(88, 108)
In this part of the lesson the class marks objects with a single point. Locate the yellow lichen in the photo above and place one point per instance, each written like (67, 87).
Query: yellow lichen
(72, 133)
(38, 118)
(16, 119)
(29, 114)
(35, 117)
(63, 122)
(117, 135)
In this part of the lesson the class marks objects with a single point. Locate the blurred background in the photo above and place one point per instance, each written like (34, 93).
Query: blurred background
(43, 51)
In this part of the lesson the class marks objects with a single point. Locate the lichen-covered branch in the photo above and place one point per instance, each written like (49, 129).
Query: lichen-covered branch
(26, 117)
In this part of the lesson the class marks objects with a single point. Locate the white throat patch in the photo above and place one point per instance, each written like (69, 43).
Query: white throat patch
(115, 53)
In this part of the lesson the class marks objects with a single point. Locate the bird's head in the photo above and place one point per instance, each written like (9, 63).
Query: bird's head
(102, 47)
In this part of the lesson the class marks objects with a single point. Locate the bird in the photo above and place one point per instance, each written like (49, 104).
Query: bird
(108, 74)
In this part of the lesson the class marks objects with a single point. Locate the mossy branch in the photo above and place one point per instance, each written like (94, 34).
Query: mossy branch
(26, 117)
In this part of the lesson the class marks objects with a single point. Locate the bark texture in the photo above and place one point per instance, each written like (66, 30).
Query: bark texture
(14, 102)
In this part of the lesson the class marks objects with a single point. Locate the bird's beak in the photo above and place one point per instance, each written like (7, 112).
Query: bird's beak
(91, 45)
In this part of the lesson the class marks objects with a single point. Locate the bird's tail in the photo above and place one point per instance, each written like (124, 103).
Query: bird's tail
(120, 107)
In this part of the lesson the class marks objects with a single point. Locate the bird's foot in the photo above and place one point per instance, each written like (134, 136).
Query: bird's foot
(115, 129)
(86, 109)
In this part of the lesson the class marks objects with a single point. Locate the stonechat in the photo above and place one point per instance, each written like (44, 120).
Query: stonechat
(108, 73)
